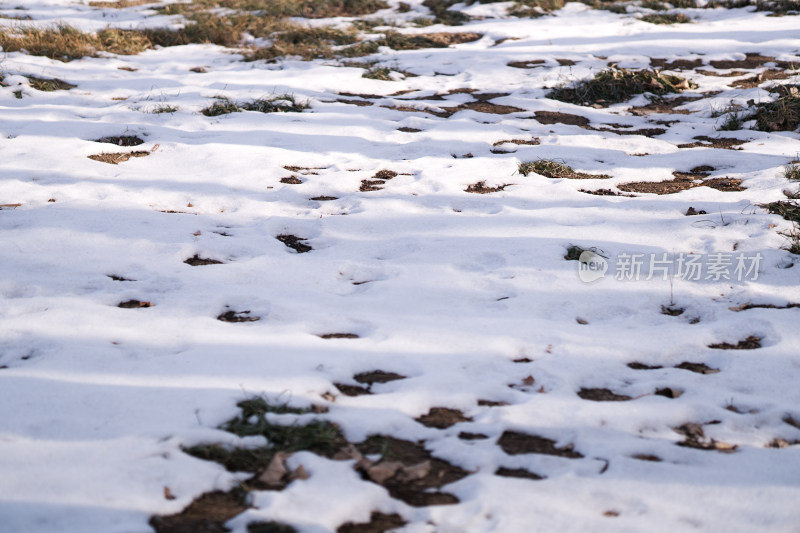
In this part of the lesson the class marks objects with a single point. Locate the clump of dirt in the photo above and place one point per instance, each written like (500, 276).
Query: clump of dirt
(237, 316)
(442, 418)
(554, 169)
(519, 473)
(699, 368)
(121, 140)
(515, 443)
(481, 188)
(338, 336)
(602, 395)
(119, 278)
(491, 403)
(291, 180)
(695, 438)
(704, 141)
(672, 310)
(378, 523)
(295, 243)
(134, 304)
(408, 471)
(406, 129)
(750, 343)
(324, 198)
(641, 366)
(555, 117)
(615, 85)
(196, 260)
(520, 142)
(693, 212)
(115, 159)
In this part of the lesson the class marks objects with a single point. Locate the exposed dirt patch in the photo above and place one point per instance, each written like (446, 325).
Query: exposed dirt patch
(682, 182)
(196, 260)
(602, 395)
(338, 336)
(448, 38)
(767, 75)
(555, 117)
(695, 438)
(491, 403)
(378, 523)
(134, 304)
(377, 376)
(408, 471)
(606, 192)
(519, 473)
(406, 129)
(352, 390)
(122, 140)
(641, 366)
(360, 103)
(644, 132)
(237, 316)
(466, 435)
(119, 278)
(371, 185)
(324, 198)
(751, 61)
(295, 243)
(565, 62)
(303, 170)
(676, 64)
(664, 106)
(115, 159)
(207, 514)
(482, 106)
(714, 142)
(533, 63)
(699, 368)
(750, 343)
(442, 418)
(669, 392)
(647, 457)
(384, 174)
(481, 188)
(292, 180)
(748, 305)
(521, 142)
(515, 443)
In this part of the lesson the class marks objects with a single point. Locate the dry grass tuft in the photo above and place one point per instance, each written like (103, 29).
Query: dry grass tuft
(615, 85)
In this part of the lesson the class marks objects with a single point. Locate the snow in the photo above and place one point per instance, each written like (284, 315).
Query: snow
(98, 401)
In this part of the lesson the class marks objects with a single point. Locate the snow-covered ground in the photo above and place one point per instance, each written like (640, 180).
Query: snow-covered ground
(468, 296)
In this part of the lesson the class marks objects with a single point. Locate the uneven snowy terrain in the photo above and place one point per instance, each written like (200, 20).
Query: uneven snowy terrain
(379, 262)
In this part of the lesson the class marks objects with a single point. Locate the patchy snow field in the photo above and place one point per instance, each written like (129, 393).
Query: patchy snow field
(341, 260)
